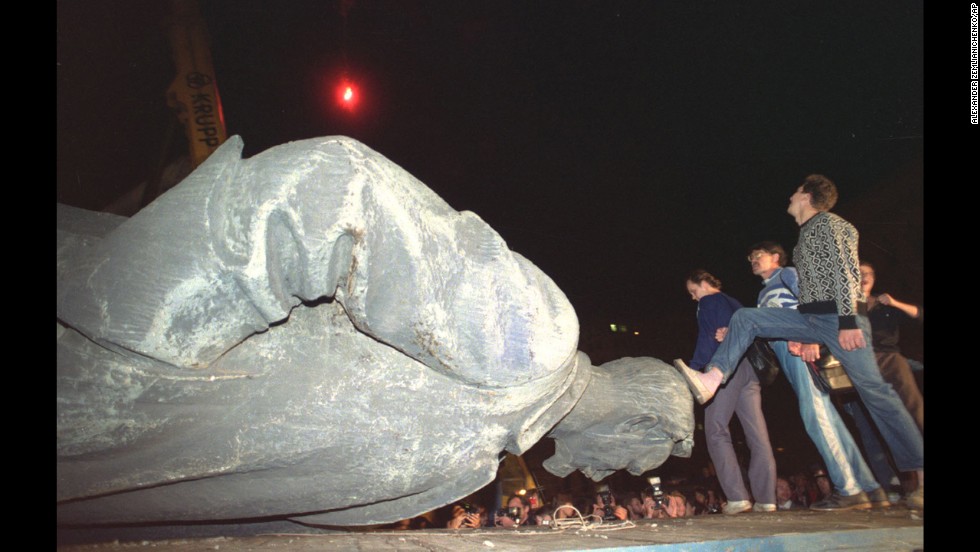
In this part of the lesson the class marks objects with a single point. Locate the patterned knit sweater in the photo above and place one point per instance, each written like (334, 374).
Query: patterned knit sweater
(826, 257)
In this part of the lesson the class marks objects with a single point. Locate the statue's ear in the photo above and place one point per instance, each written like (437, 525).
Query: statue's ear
(640, 424)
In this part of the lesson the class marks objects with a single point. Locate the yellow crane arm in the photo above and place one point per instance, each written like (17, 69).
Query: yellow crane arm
(193, 94)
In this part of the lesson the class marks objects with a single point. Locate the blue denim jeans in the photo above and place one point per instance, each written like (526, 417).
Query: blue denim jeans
(883, 403)
(874, 448)
(845, 465)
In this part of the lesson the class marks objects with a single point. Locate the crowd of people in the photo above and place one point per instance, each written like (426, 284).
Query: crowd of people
(679, 499)
(602, 506)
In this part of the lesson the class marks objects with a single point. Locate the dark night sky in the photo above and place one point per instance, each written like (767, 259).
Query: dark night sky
(616, 144)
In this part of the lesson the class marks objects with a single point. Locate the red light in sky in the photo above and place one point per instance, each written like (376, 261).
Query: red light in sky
(347, 95)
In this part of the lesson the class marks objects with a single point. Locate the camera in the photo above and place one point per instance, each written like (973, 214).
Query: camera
(608, 510)
(514, 512)
(469, 508)
(656, 492)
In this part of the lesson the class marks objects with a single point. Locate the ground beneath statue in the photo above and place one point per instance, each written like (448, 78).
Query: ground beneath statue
(892, 529)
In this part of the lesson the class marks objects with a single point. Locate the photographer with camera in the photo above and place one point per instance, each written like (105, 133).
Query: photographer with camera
(467, 515)
(606, 507)
(655, 502)
(673, 505)
(658, 505)
(515, 514)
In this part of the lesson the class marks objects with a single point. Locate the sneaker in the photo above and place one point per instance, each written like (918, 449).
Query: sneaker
(916, 500)
(733, 507)
(692, 377)
(837, 502)
(879, 498)
(760, 507)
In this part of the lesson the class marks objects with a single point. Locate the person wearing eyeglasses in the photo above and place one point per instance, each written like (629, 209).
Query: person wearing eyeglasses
(849, 473)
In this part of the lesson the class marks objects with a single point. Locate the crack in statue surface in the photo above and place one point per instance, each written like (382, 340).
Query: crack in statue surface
(314, 330)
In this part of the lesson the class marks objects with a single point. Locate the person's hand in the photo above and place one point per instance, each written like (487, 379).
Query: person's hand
(908, 308)
(621, 513)
(471, 521)
(720, 334)
(459, 515)
(809, 352)
(795, 347)
(505, 521)
(650, 509)
(456, 521)
(852, 339)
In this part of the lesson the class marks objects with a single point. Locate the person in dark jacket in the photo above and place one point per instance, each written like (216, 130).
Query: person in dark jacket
(742, 396)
